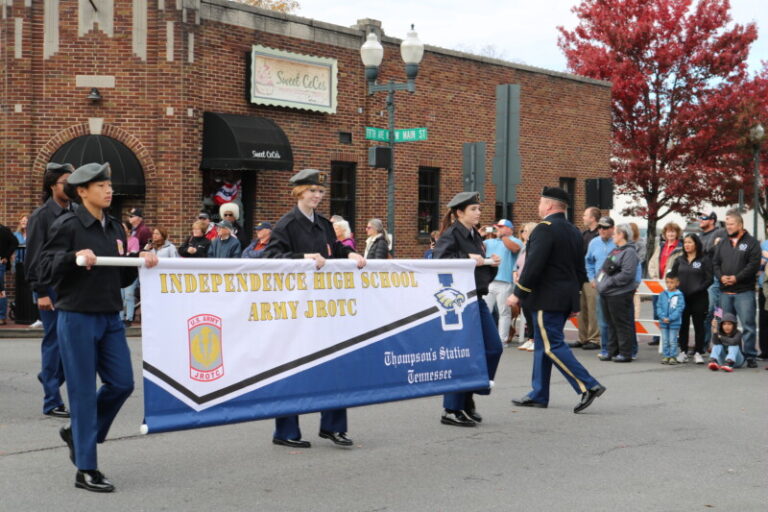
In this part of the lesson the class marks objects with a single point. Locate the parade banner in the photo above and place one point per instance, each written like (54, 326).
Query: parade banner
(234, 340)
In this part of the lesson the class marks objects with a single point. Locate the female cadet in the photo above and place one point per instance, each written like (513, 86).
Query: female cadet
(304, 233)
(460, 239)
(91, 334)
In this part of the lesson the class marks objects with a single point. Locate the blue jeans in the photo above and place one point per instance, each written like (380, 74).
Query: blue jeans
(721, 353)
(4, 300)
(605, 334)
(714, 301)
(669, 344)
(129, 301)
(744, 307)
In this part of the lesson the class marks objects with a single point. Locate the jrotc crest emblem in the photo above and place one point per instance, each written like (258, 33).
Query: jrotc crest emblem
(206, 359)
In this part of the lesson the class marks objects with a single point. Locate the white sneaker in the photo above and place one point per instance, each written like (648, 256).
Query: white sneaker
(698, 359)
(530, 347)
(682, 357)
(36, 325)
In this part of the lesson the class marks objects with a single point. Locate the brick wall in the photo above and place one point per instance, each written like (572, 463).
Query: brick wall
(565, 121)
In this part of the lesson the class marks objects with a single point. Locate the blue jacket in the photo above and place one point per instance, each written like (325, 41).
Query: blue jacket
(229, 248)
(597, 251)
(671, 305)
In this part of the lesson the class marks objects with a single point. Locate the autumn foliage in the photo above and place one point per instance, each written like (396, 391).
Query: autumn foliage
(285, 6)
(682, 98)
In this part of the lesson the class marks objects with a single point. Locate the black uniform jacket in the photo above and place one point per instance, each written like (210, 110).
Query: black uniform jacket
(295, 235)
(79, 289)
(458, 242)
(554, 267)
(38, 231)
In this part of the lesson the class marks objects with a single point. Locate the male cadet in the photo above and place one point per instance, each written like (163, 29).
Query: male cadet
(549, 286)
(91, 334)
(56, 204)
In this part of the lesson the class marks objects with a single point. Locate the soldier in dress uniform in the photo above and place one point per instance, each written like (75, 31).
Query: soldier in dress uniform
(460, 239)
(57, 203)
(91, 334)
(305, 233)
(549, 286)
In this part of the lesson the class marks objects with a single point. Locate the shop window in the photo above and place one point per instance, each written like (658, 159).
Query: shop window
(569, 185)
(429, 200)
(343, 191)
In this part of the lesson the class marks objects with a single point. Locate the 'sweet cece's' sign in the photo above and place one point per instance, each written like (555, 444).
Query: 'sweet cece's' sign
(286, 79)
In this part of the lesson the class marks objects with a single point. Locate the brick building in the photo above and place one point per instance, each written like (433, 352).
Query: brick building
(172, 86)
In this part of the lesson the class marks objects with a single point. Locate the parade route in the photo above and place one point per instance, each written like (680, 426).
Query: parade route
(661, 438)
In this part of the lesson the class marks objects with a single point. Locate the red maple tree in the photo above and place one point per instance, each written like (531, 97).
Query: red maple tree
(678, 68)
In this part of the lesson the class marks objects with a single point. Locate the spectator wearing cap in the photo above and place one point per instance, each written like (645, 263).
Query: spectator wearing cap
(711, 235)
(599, 249)
(198, 244)
(209, 228)
(56, 204)
(140, 230)
(225, 245)
(231, 213)
(303, 233)
(589, 332)
(256, 248)
(506, 247)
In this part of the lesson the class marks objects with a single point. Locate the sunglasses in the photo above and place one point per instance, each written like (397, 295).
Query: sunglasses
(229, 214)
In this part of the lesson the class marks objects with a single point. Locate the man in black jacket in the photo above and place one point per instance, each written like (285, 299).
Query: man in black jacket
(736, 263)
(549, 286)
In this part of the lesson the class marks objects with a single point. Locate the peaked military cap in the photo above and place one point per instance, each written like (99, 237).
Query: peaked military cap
(308, 177)
(53, 166)
(464, 199)
(556, 193)
(89, 172)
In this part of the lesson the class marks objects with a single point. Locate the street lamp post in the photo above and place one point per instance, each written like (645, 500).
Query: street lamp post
(756, 134)
(372, 53)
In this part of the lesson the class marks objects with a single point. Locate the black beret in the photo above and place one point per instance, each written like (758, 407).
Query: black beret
(89, 172)
(308, 177)
(464, 199)
(557, 194)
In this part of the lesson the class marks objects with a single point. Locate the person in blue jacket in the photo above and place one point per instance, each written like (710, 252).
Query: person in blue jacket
(669, 310)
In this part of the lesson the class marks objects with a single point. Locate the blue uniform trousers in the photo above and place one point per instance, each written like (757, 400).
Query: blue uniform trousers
(550, 348)
(493, 350)
(91, 344)
(51, 374)
(287, 427)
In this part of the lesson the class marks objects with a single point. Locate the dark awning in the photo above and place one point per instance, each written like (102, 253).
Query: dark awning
(127, 174)
(232, 142)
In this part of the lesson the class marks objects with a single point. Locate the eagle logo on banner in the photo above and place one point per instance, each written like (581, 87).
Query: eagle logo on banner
(206, 361)
(452, 302)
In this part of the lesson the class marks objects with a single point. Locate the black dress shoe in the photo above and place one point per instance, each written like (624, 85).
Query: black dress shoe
(93, 480)
(66, 436)
(474, 415)
(293, 443)
(622, 359)
(527, 402)
(457, 419)
(339, 438)
(590, 345)
(588, 397)
(58, 412)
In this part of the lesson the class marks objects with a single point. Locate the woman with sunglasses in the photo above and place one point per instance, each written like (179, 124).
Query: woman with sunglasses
(305, 233)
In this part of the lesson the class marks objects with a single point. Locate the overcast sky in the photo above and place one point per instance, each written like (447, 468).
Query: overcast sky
(519, 30)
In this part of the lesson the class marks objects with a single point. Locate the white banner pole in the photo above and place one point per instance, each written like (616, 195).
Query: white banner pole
(112, 261)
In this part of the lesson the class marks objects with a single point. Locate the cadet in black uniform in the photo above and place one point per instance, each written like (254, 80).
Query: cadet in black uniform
(57, 203)
(91, 334)
(460, 239)
(304, 233)
(549, 286)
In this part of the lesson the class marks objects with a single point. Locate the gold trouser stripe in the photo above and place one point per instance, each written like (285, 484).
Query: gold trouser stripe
(548, 351)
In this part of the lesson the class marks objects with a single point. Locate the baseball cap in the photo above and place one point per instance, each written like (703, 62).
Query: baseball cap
(606, 222)
(262, 225)
(711, 216)
(136, 212)
(203, 215)
(505, 222)
(226, 224)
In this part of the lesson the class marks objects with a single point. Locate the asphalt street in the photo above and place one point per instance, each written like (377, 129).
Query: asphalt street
(660, 439)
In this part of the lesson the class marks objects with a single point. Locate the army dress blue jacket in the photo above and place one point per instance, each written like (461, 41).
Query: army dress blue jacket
(458, 242)
(295, 235)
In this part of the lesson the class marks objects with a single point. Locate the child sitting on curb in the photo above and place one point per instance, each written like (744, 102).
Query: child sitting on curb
(726, 345)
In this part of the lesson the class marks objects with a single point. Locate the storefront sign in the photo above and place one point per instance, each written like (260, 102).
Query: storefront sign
(286, 79)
